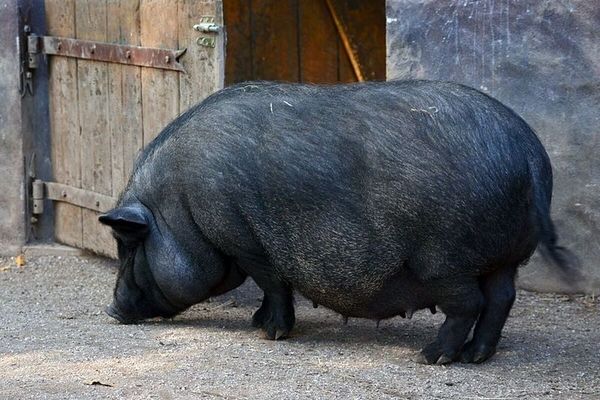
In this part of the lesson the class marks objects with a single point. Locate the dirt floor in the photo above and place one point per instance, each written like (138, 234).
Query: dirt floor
(57, 343)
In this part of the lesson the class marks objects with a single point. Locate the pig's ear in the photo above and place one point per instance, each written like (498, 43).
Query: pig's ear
(128, 220)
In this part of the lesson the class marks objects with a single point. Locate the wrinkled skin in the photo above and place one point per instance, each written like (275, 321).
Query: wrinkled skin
(171, 282)
(374, 200)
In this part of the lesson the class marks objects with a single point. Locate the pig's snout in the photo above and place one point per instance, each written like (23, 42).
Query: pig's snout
(114, 312)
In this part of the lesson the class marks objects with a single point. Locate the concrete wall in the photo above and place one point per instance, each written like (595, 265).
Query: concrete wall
(12, 194)
(24, 131)
(541, 58)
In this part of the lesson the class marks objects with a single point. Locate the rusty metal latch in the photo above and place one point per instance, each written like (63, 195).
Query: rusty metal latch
(60, 192)
(101, 51)
(28, 62)
(208, 26)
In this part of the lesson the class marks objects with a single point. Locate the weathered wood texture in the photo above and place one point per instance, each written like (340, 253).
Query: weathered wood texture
(205, 66)
(64, 122)
(102, 114)
(275, 39)
(124, 93)
(364, 23)
(160, 88)
(296, 40)
(92, 79)
(238, 20)
(318, 43)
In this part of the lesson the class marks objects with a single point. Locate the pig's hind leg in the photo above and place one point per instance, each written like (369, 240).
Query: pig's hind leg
(499, 293)
(461, 301)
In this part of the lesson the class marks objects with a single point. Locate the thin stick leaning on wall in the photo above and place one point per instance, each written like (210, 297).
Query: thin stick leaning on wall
(347, 46)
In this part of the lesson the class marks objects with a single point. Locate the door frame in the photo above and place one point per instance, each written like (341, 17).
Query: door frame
(35, 126)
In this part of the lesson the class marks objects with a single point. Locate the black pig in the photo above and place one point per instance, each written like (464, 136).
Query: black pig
(373, 200)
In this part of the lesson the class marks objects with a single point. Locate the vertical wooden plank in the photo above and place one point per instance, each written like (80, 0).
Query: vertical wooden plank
(318, 43)
(238, 17)
(115, 116)
(204, 66)
(364, 22)
(64, 122)
(275, 40)
(124, 93)
(160, 88)
(345, 71)
(132, 88)
(90, 22)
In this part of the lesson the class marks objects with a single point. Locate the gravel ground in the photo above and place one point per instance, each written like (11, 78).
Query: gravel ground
(56, 343)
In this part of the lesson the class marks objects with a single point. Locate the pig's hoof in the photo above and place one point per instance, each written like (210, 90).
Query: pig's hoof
(275, 330)
(276, 325)
(473, 353)
(433, 354)
(261, 316)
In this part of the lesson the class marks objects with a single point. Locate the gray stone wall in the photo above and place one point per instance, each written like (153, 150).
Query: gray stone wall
(12, 194)
(541, 58)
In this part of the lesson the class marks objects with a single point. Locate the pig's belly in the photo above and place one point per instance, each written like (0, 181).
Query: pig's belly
(375, 299)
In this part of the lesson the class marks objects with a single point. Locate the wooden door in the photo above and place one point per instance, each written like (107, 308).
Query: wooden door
(102, 113)
(300, 41)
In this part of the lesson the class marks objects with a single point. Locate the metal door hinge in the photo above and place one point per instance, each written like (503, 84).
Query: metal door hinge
(60, 192)
(37, 196)
(101, 51)
(208, 26)
(33, 48)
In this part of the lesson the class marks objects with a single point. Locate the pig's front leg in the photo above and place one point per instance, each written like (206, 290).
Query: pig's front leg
(276, 314)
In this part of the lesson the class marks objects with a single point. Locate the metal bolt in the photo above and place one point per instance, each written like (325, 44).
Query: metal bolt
(27, 29)
(167, 59)
(28, 75)
(64, 193)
